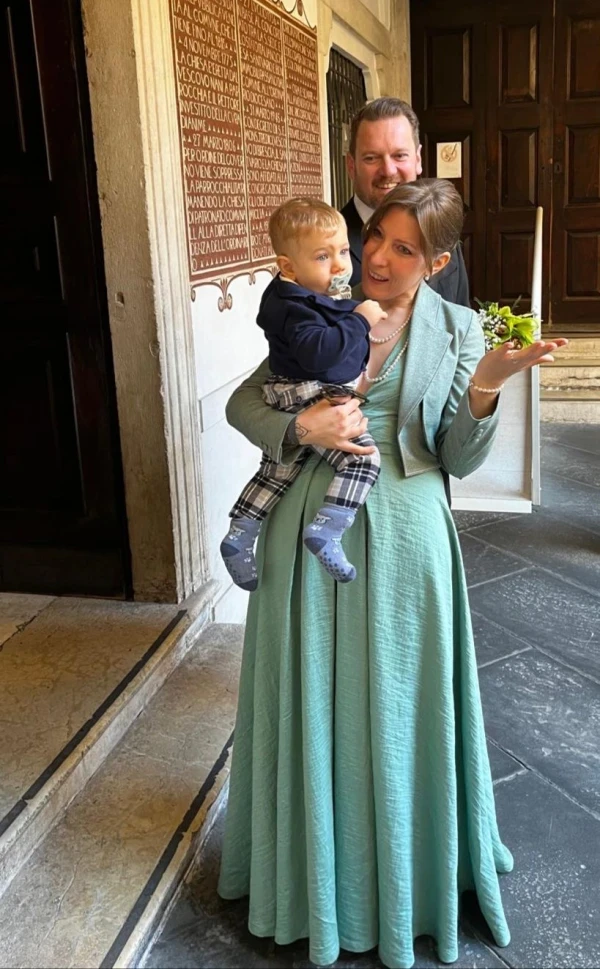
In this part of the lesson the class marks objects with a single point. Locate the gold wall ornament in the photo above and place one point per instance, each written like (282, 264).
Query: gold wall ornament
(225, 301)
(298, 6)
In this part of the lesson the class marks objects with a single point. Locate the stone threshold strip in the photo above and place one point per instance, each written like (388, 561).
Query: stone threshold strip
(156, 898)
(78, 738)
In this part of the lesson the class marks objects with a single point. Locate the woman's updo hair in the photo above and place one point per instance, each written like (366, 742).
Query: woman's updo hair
(437, 207)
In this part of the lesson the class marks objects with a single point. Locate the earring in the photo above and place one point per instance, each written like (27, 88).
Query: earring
(426, 278)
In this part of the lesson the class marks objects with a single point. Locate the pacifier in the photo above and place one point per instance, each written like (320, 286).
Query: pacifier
(340, 285)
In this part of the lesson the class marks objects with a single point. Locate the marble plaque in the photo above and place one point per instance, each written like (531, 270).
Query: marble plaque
(248, 100)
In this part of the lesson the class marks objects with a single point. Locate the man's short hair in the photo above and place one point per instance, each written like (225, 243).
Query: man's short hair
(379, 109)
(298, 216)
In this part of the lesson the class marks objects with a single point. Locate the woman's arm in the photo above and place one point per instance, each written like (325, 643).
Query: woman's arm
(464, 440)
(470, 418)
(265, 427)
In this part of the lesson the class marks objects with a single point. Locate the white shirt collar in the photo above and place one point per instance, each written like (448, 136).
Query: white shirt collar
(363, 210)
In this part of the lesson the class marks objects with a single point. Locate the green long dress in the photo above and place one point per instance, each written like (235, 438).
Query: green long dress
(361, 802)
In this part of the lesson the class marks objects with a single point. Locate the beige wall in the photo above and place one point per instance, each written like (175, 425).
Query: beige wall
(368, 38)
(118, 146)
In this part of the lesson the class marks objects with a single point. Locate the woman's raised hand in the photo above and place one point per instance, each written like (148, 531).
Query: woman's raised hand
(495, 368)
(333, 426)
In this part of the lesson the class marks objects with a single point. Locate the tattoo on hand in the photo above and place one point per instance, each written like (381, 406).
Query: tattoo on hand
(300, 431)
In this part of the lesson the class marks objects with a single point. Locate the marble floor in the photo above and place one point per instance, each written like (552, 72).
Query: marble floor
(59, 660)
(535, 596)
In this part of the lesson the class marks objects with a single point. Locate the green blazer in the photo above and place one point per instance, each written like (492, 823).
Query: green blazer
(435, 424)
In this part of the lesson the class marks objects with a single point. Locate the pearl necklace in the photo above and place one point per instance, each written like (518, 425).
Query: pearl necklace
(387, 372)
(390, 336)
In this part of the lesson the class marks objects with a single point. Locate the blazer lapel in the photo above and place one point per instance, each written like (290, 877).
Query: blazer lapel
(428, 341)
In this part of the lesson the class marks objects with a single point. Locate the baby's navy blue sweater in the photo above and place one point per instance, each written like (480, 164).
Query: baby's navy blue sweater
(312, 337)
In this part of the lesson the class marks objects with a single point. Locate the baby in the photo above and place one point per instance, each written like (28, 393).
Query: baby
(318, 347)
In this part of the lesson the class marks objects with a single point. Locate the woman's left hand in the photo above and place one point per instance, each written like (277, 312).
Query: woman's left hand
(498, 365)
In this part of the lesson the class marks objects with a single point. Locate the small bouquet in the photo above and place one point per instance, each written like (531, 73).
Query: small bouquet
(500, 325)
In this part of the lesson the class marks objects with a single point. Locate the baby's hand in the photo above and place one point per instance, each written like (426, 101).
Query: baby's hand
(372, 312)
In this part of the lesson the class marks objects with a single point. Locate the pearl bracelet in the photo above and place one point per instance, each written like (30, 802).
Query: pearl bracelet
(486, 390)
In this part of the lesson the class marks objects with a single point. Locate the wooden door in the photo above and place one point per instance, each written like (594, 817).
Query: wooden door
(518, 84)
(576, 167)
(482, 76)
(448, 64)
(518, 147)
(62, 524)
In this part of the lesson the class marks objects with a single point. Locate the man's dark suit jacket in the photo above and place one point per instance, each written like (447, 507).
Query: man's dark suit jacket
(451, 282)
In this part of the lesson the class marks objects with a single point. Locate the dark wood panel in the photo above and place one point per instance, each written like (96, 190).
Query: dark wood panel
(448, 68)
(583, 164)
(576, 167)
(518, 159)
(35, 393)
(60, 479)
(516, 262)
(583, 264)
(584, 78)
(21, 122)
(519, 62)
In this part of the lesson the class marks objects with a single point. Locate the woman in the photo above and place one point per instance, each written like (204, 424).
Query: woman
(361, 802)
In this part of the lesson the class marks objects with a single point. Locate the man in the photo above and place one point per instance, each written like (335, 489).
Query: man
(384, 152)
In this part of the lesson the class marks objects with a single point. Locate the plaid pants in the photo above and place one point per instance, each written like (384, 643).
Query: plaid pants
(355, 473)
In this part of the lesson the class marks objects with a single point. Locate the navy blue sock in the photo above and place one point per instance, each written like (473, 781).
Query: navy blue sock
(323, 537)
(237, 550)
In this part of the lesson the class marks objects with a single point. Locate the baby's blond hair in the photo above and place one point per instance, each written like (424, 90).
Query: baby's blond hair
(296, 217)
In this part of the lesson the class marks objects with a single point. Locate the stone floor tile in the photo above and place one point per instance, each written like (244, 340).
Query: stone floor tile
(482, 562)
(575, 502)
(551, 897)
(549, 541)
(546, 612)
(586, 437)
(548, 717)
(502, 764)
(17, 610)
(56, 672)
(77, 890)
(464, 520)
(492, 641)
(571, 463)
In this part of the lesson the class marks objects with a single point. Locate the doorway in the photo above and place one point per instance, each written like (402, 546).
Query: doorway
(62, 516)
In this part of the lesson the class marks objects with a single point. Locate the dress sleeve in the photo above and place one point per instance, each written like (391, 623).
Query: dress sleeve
(464, 442)
(261, 424)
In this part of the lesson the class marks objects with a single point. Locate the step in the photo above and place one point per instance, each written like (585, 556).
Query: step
(592, 362)
(570, 375)
(578, 347)
(584, 394)
(93, 893)
(73, 677)
(574, 408)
